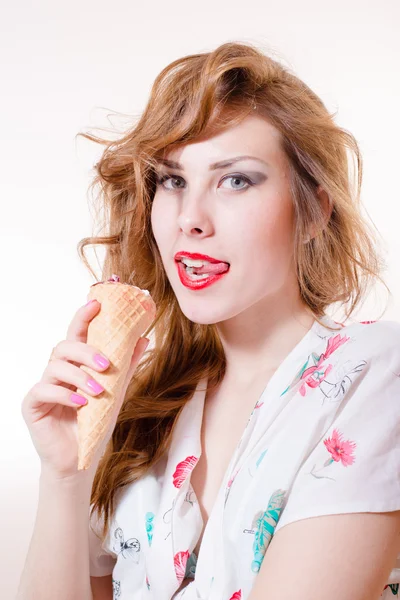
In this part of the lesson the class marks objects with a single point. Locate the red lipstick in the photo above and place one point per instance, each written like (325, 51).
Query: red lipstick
(197, 256)
(215, 270)
(196, 284)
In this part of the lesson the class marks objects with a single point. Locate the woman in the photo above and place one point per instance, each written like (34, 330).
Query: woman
(231, 202)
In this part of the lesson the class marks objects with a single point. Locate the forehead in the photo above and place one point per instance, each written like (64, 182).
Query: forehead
(254, 136)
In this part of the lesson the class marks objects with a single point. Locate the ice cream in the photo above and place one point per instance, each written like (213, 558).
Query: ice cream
(126, 313)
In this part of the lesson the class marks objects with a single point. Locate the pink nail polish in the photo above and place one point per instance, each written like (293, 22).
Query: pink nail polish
(94, 386)
(101, 361)
(77, 399)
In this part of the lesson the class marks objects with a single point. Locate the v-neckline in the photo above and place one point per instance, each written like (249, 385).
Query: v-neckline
(295, 352)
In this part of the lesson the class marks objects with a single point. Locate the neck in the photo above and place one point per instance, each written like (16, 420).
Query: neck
(257, 340)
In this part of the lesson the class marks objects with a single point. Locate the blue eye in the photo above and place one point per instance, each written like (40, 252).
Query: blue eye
(161, 179)
(248, 181)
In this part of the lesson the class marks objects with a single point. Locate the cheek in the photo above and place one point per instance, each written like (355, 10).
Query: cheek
(269, 230)
(158, 223)
(153, 221)
(163, 227)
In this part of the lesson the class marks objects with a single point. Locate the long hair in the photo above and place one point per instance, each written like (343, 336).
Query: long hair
(191, 99)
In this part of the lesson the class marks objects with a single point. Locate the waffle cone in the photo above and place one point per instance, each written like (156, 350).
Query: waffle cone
(126, 313)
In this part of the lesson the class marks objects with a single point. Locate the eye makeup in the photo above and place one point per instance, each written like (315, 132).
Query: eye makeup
(250, 177)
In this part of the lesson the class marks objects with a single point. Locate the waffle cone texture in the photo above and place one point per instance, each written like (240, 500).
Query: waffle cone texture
(126, 313)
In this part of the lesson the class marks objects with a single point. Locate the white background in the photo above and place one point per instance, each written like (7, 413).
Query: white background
(64, 68)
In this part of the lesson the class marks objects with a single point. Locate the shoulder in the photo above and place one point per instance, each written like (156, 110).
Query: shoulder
(381, 329)
(371, 339)
(327, 544)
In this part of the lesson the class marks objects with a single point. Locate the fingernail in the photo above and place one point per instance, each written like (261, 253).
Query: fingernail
(102, 361)
(94, 386)
(77, 399)
(90, 302)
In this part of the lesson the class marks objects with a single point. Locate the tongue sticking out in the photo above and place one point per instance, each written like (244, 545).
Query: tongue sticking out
(214, 268)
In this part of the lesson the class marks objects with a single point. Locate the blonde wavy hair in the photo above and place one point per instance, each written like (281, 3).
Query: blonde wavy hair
(191, 99)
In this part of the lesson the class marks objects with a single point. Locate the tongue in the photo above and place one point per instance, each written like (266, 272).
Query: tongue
(214, 268)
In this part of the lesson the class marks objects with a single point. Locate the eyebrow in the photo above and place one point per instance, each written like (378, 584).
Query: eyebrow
(172, 164)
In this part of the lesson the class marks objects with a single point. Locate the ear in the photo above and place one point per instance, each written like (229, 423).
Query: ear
(327, 208)
(326, 203)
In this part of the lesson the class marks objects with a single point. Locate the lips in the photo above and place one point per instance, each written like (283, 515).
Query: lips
(197, 284)
(197, 256)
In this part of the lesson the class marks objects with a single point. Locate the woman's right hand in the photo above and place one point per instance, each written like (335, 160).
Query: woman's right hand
(49, 409)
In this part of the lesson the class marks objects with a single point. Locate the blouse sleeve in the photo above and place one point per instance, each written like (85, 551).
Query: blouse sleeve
(355, 466)
(101, 562)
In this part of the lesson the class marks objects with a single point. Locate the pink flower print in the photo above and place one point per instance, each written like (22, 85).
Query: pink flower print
(180, 560)
(257, 405)
(333, 344)
(183, 469)
(338, 323)
(232, 479)
(313, 377)
(228, 485)
(236, 596)
(339, 449)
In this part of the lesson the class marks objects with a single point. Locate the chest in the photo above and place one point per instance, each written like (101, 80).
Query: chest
(225, 418)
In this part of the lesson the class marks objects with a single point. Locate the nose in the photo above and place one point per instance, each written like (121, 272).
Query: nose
(194, 218)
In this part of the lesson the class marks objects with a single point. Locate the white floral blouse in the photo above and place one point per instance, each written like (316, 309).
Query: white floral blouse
(323, 438)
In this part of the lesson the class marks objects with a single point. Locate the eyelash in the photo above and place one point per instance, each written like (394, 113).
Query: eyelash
(162, 178)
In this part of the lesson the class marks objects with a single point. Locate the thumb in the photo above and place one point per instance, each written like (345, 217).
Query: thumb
(140, 349)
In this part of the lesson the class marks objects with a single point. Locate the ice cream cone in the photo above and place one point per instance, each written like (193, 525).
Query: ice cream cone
(126, 313)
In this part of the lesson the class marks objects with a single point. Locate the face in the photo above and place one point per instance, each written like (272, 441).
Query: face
(241, 214)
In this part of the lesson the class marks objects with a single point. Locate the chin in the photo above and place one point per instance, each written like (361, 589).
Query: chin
(201, 318)
(201, 315)
(208, 312)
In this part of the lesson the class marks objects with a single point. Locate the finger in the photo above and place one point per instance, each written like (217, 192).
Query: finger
(77, 330)
(138, 352)
(60, 372)
(44, 394)
(140, 349)
(80, 353)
